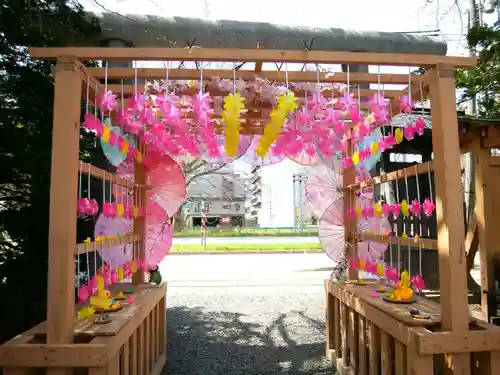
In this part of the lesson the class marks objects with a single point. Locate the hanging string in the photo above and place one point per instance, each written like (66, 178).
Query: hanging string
(359, 99)
(409, 89)
(406, 222)
(397, 226)
(201, 80)
(422, 98)
(167, 82)
(318, 88)
(87, 96)
(430, 191)
(348, 79)
(135, 85)
(106, 77)
(419, 224)
(88, 185)
(234, 79)
(286, 75)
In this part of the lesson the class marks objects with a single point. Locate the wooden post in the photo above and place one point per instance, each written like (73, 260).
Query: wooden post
(140, 178)
(485, 225)
(449, 210)
(350, 224)
(63, 201)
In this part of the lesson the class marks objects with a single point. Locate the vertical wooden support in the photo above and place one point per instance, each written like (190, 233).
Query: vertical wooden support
(374, 349)
(140, 178)
(386, 353)
(330, 318)
(350, 224)
(485, 225)
(125, 366)
(449, 213)
(362, 357)
(63, 197)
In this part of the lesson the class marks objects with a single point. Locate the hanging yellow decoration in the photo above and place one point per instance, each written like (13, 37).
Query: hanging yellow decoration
(374, 148)
(234, 104)
(355, 157)
(380, 270)
(120, 210)
(136, 212)
(377, 209)
(405, 209)
(100, 282)
(133, 266)
(404, 236)
(362, 265)
(359, 211)
(106, 133)
(119, 273)
(287, 104)
(398, 135)
(138, 157)
(124, 149)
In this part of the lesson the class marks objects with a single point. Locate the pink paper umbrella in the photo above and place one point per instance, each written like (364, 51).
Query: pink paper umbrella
(371, 251)
(116, 255)
(324, 191)
(160, 233)
(243, 145)
(331, 233)
(250, 156)
(323, 187)
(305, 158)
(168, 186)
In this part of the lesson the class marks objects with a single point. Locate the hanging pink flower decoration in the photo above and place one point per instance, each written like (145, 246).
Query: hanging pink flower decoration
(371, 268)
(418, 283)
(409, 132)
(386, 209)
(83, 293)
(420, 126)
(395, 209)
(391, 274)
(415, 208)
(406, 105)
(108, 102)
(114, 277)
(428, 207)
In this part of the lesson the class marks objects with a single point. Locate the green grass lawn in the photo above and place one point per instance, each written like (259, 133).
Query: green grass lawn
(243, 247)
(249, 232)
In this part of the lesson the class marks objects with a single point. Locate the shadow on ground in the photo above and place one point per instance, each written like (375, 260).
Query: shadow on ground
(210, 343)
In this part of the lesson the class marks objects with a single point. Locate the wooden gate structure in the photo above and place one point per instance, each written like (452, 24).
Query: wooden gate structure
(351, 314)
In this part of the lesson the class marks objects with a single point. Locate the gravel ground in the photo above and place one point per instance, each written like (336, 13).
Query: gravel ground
(264, 330)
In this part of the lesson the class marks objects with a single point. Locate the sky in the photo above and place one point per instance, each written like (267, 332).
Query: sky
(447, 16)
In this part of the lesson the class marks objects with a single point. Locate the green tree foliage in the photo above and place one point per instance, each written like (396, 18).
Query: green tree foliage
(26, 100)
(483, 81)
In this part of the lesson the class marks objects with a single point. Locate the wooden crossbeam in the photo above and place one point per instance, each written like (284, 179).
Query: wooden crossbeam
(249, 75)
(249, 55)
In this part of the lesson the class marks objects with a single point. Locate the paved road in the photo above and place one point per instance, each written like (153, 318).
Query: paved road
(255, 240)
(246, 314)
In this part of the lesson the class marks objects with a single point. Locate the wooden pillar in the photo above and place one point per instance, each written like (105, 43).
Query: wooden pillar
(63, 201)
(449, 210)
(350, 224)
(485, 225)
(140, 228)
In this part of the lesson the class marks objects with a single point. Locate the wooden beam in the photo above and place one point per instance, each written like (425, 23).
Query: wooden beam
(55, 355)
(249, 75)
(449, 211)
(350, 225)
(485, 217)
(249, 55)
(140, 229)
(130, 90)
(414, 170)
(63, 199)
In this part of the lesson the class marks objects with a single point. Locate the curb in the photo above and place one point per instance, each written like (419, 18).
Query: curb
(245, 252)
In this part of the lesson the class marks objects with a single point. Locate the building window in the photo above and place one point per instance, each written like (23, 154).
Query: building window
(237, 207)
